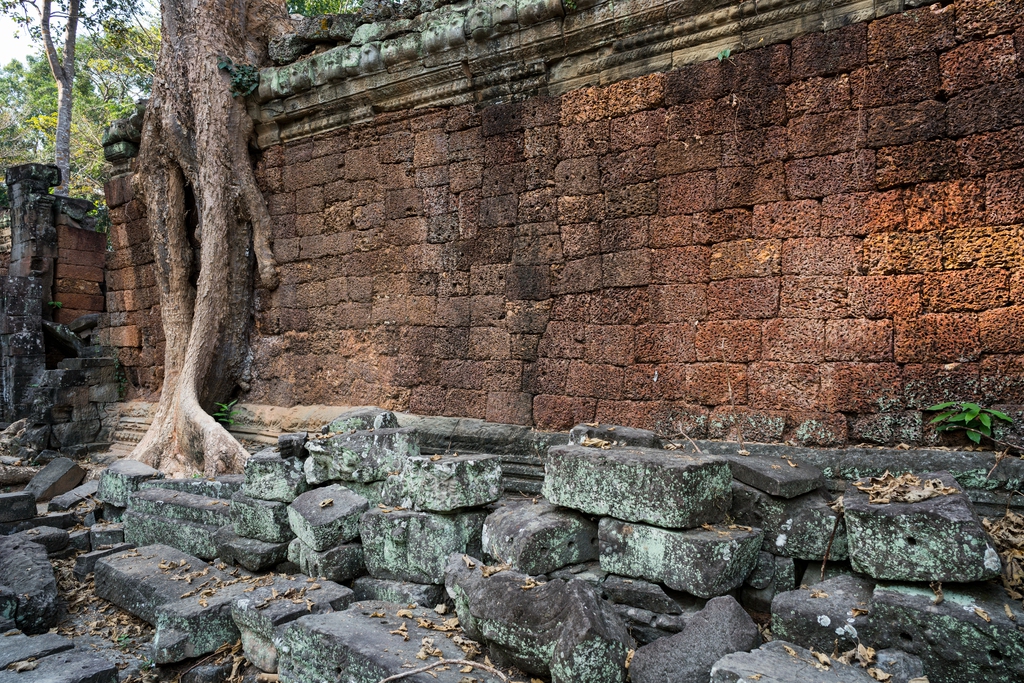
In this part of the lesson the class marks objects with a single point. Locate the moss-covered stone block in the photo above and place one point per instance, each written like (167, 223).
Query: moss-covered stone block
(268, 476)
(536, 537)
(445, 483)
(122, 479)
(362, 456)
(404, 545)
(340, 563)
(263, 520)
(360, 419)
(793, 527)
(326, 517)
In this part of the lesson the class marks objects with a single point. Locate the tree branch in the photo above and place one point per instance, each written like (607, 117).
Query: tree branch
(51, 52)
(70, 40)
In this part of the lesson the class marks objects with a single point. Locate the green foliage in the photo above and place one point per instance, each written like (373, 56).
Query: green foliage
(54, 304)
(225, 413)
(724, 54)
(974, 420)
(313, 8)
(244, 77)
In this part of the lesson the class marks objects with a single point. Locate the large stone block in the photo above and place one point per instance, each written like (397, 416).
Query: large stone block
(774, 663)
(17, 506)
(776, 476)
(59, 476)
(937, 539)
(361, 456)
(66, 501)
(263, 520)
(70, 666)
(19, 647)
(639, 484)
(557, 629)
(327, 516)
(222, 487)
(705, 562)
(615, 435)
(445, 483)
(536, 537)
(399, 592)
(268, 476)
(25, 569)
(403, 545)
(340, 563)
(122, 479)
(361, 419)
(194, 538)
(253, 554)
(800, 527)
(831, 615)
(180, 505)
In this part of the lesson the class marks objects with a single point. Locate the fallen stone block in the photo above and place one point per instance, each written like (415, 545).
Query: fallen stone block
(264, 520)
(721, 628)
(222, 487)
(85, 563)
(268, 476)
(80, 540)
(776, 476)
(590, 572)
(536, 537)
(357, 646)
(557, 629)
(639, 484)
(445, 483)
(18, 506)
(25, 569)
(113, 513)
(261, 616)
(193, 626)
(705, 562)
(328, 516)
(614, 435)
(70, 666)
(340, 563)
(404, 545)
(123, 478)
(800, 527)
(646, 626)
(19, 647)
(783, 578)
(639, 593)
(782, 662)
(253, 554)
(105, 534)
(66, 501)
(399, 592)
(831, 615)
(763, 572)
(361, 419)
(292, 445)
(362, 456)
(59, 476)
(974, 634)
(193, 538)
(180, 505)
(937, 539)
(51, 538)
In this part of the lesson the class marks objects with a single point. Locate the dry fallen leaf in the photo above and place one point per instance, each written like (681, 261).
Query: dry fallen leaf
(823, 659)
(326, 502)
(530, 583)
(906, 488)
(858, 612)
(1009, 613)
(435, 458)
(377, 615)
(24, 665)
(790, 651)
(879, 675)
(629, 657)
(818, 593)
(983, 614)
(591, 442)
(936, 587)
(919, 679)
(466, 670)
(865, 655)
(469, 563)
(441, 609)
(404, 614)
(493, 569)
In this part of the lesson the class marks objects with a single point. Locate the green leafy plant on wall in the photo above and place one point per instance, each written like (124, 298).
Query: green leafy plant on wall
(970, 418)
(225, 413)
(244, 77)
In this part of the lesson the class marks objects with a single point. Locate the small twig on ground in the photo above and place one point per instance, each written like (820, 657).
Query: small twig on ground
(443, 662)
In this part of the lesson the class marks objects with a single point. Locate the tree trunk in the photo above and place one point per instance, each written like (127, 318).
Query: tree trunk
(64, 74)
(209, 223)
(62, 141)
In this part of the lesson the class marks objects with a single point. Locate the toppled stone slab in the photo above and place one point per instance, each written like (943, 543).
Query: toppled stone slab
(193, 538)
(639, 484)
(774, 663)
(268, 476)
(59, 476)
(362, 456)
(639, 593)
(189, 507)
(19, 647)
(66, 501)
(85, 563)
(357, 647)
(557, 629)
(250, 553)
(292, 445)
(974, 634)
(721, 628)
(70, 666)
(264, 520)
(614, 435)
(262, 614)
(327, 516)
(105, 534)
(536, 537)
(831, 615)
(777, 476)
(222, 487)
(79, 540)
(590, 572)
(360, 419)
(25, 569)
(51, 538)
(340, 563)
(404, 545)
(123, 478)
(18, 506)
(705, 562)
(439, 483)
(802, 527)
(937, 539)
(399, 592)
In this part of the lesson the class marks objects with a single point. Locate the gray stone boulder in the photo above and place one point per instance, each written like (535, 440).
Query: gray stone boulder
(782, 662)
(340, 563)
(292, 445)
(362, 456)
(268, 476)
(184, 520)
(557, 629)
(105, 534)
(404, 545)
(253, 554)
(264, 520)
(536, 537)
(123, 478)
(832, 614)
(26, 571)
(705, 562)
(798, 527)
(85, 563)
(446, 483)
(8, 609)
(721, 628)
(69, 666)
(665, 488)
(646, 626)
(399, 592)
(51, 538)
(59, 476)
(775, 475)
(17, 506)
(974, 634)
(66, 501)
(937, 539)
(615, 435)
(18, 647)
(361, 419)
(328, 516)
(639, 593)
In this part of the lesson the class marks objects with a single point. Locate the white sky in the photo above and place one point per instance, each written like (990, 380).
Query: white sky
(11, 47)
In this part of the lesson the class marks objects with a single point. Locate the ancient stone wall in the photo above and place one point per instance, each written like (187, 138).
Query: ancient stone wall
(810, 240)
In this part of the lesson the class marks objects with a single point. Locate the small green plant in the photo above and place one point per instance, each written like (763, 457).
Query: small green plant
(244, 77)
(724, 54)
(54, 304)
(225, 413)
(569, 5)
(974, 420)
(122, 380)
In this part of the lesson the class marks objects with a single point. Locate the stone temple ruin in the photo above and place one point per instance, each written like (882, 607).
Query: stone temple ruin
(649, 300)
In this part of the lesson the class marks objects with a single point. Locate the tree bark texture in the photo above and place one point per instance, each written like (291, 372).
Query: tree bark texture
(209, 222)
(63, 71)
